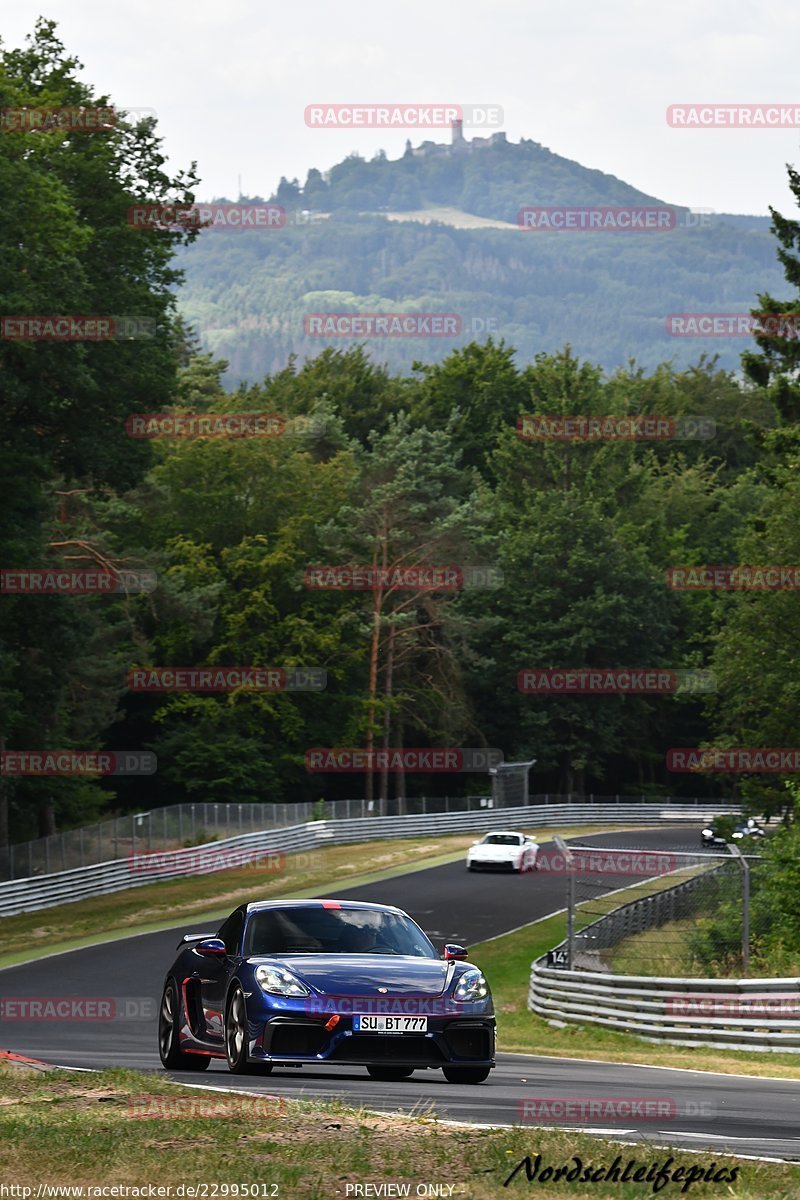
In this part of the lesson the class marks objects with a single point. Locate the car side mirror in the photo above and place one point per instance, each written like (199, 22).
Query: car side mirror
(212, 947)
(454, 952)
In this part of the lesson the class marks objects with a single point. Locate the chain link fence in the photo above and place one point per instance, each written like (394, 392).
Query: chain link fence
(180, 825)
(657, 912)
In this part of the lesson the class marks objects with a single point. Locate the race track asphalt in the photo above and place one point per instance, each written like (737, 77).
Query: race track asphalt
(723, 1112)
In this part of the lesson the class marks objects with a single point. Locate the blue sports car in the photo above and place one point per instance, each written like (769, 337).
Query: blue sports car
(287, 982)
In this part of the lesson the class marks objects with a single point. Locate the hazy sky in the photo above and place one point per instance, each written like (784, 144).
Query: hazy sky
(230, 81)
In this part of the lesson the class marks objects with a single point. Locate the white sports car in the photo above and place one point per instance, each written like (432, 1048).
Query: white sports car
(503, 851)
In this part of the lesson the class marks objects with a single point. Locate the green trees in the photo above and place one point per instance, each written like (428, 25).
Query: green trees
(412, 506)
(66, 248)
(774, 366)
(374, 469)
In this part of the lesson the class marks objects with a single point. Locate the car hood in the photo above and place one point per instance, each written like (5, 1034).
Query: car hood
(498, 852)
(364, 974)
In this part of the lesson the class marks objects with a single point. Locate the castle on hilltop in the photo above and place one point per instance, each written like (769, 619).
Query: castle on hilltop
(458, 143)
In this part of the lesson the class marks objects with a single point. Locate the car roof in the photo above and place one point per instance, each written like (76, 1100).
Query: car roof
(506, 832)
(260, 905)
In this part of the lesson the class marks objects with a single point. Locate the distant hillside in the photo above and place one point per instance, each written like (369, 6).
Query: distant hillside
(384, 236)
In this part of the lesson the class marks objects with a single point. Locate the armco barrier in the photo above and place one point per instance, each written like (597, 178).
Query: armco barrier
(192, 823)
(734, 1014)
(64, 887)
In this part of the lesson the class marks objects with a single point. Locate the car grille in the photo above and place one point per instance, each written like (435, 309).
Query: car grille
(374, 1048)
(469, 1041)
(294, 1037)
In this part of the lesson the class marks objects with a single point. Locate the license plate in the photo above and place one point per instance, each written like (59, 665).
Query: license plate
(362, 1023)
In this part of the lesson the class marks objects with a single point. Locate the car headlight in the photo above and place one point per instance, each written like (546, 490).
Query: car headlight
(471, 986)
(280, 982)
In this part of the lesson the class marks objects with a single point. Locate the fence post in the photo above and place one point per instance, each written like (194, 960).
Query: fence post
(569, 858)
(743, 863)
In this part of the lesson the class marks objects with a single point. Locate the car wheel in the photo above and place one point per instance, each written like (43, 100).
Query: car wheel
(470, 867)
(389, 1074)
(466, 1074)
(172, 1057)
(236, 1037)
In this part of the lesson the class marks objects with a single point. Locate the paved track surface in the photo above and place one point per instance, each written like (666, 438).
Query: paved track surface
(723, 1112)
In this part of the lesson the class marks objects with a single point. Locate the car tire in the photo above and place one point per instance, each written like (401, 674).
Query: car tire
(170, 1053)
(466, 1074)
(236, 1037)
(470, 867)
(389, 1074)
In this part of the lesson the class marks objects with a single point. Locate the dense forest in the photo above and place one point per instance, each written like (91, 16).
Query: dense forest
(373, 466)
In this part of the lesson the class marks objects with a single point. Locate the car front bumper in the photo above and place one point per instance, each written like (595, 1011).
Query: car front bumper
(456, 1040)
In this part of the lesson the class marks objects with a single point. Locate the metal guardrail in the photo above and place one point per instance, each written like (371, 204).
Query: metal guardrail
(63, 887)
(738, 1014)
(177, 825)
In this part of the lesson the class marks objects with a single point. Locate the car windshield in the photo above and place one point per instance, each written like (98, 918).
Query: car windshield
(501, 839)
(318, 930)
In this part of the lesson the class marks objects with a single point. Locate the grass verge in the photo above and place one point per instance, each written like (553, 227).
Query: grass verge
(59, 1128)
(210, 897)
